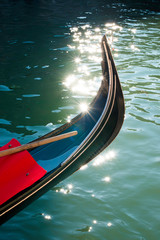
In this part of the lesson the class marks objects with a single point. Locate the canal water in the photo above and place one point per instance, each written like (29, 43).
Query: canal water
(49, 69)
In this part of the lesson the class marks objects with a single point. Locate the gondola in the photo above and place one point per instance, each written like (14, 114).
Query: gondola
(53, 162)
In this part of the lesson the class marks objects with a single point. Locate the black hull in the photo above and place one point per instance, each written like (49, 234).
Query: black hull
(111, 102)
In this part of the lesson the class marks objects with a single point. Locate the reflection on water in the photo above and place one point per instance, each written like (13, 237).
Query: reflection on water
(109, 156)
(107, 179)
(47, 217)
(50, 60)
(87, 75)
(84, 107)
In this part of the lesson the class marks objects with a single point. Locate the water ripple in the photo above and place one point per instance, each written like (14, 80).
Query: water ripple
(117, 194)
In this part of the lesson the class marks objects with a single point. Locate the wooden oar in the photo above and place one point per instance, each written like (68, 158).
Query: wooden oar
(37, 143)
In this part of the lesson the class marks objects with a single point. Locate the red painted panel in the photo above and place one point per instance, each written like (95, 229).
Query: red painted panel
(17, 172)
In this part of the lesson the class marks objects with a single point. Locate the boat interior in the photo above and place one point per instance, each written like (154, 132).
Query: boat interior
(52, 155)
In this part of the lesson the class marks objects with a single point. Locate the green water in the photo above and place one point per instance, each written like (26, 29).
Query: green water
(50, 65)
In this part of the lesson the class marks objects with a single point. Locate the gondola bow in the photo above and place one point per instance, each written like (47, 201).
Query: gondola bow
(96, 128)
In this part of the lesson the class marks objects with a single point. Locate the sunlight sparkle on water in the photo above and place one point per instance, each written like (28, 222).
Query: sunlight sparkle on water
(62, 190)
(109, 224)
(70, 186)
(109, 24)
(46, 216)
(111, 154)
(134, 48)
(113, 26)
(66, 190)
(84, 167)
(69, 80)
(97, 29)
(80, 87)
(95, 221)
(87, 41)
(69, 119)
(88, 33)
(116, 27)
(98, 161)
(85, 26)
(133, 30)
(77, 60)
(115, 54)
(74, 29)
(107, 179)
(71, 47)
(95, 59)
(83, 107)
(83, 69)
(104, 158)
